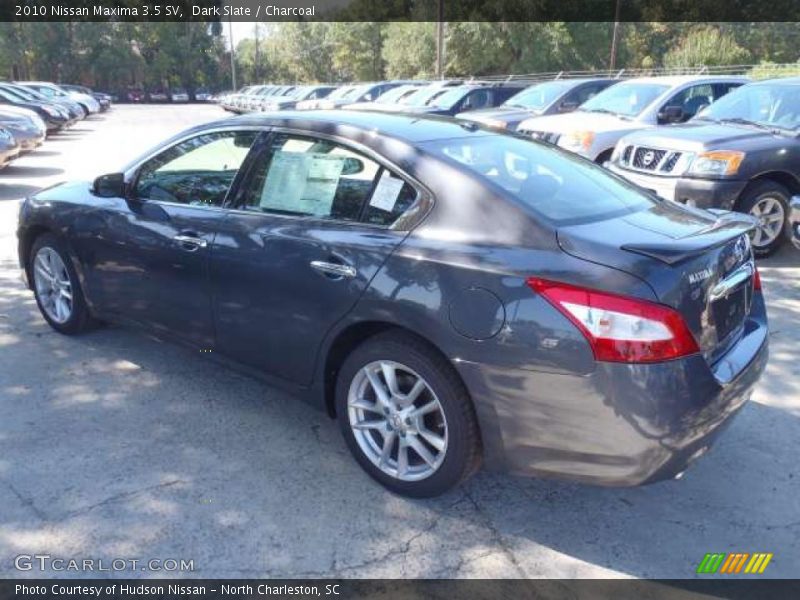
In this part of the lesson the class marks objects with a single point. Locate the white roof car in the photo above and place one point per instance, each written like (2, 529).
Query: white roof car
(594, 129)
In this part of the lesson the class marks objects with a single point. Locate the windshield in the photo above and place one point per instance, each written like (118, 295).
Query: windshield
(449, 98)
(394, 94)
(425, 95)
(768, 104)
(538, 97)
(339, 93)
(627, 98)
(15, 93)
(554, 184)
(48, 91)
(358, 92)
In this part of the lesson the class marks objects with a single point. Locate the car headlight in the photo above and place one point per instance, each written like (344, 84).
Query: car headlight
(577, 140)
(50, 111)
(496, 123)
(718, 162)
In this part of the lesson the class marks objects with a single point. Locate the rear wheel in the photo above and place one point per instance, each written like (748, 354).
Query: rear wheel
(56, 286)
(768, 202)
(406, 416)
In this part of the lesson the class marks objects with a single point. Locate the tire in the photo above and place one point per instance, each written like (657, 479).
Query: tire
(449, 433)
(774, 198)
(77, 319)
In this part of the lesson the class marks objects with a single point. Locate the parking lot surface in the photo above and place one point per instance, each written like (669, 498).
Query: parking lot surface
(116, 445)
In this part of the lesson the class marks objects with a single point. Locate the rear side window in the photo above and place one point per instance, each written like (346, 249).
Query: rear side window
(554, 184)
(308, 177)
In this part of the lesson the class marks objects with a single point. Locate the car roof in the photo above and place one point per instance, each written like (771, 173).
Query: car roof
(786, 80)
(675, 80)
(410, 128)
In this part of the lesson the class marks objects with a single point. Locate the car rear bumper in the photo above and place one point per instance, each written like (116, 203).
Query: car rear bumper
(794, 221)
(703, 193)
(622, 425)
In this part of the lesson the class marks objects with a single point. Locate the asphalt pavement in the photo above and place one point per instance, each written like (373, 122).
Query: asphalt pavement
(115, 445)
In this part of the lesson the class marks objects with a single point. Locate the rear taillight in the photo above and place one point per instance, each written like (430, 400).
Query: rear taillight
(756, 280)
(620, 328)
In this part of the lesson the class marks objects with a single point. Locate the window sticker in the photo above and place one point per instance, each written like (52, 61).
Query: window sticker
(386, 192)
(302, 182)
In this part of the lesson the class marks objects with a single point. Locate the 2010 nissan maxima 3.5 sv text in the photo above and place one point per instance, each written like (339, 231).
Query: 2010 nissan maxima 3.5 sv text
(451, 294)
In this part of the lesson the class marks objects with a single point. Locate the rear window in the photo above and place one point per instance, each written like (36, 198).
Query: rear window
(562, 188)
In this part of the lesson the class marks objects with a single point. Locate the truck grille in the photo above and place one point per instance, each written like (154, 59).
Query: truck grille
(649, 160)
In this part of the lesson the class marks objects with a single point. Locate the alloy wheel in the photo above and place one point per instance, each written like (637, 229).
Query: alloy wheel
(53, 285)
(397, 420)
(771, 215)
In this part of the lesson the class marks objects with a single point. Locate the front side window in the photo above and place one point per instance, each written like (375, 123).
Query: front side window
(307, 177)
(692, 99)
(557, 185)
(198, 171)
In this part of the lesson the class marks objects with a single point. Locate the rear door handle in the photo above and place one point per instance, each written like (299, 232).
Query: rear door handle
(335, 269)
(190, 242)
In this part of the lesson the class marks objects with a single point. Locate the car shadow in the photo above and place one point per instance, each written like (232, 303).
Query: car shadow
(14, 171)
(16, 191)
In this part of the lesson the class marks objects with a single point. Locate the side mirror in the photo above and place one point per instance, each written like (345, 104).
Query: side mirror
(352, 166)
(109, 186)
(671, 114)
(567, 106)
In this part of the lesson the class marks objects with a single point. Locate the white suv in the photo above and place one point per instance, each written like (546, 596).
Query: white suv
(594, 129)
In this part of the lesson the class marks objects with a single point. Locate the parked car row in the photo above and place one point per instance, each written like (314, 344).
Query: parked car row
(137, 95)
(31, 110)
(681, 137)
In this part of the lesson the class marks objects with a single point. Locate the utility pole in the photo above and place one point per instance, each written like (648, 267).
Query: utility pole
(258, 61)
(614, 38)
(233, 57)
(440, 40)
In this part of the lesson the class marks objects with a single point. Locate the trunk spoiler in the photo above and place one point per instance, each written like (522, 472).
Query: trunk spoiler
(727, 226)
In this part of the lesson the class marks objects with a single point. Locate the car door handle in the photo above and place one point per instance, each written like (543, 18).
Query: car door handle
(191, 242)
(335, 269)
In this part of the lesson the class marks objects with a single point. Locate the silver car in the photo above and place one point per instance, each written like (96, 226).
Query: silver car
(594, 129)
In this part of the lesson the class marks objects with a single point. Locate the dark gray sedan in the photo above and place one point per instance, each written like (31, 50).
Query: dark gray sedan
(451, 294)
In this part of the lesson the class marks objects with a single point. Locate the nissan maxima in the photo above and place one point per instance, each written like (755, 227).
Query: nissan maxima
(453, 295)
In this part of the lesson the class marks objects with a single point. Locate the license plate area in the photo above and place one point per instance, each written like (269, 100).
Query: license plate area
(729, 312)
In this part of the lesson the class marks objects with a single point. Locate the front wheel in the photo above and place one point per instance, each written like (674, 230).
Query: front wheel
(406, 416)
(768, 202)
(56, 287)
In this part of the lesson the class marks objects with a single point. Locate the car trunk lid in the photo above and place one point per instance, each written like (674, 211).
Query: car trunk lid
(697, 262)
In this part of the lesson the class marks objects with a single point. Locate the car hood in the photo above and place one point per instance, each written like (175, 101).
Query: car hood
(579, 121)
(701, 136)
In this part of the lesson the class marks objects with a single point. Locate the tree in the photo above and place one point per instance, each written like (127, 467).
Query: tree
(706, 46)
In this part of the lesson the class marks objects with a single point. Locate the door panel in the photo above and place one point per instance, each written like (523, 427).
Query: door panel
(272, 306)
(295, 254)
(136, 269)
(146, 257)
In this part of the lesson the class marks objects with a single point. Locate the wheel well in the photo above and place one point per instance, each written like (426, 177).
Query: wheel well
(346, 341)
(787, 180)
(604, 156)
(28, 240)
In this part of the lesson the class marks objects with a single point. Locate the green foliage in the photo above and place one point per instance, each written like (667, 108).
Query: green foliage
(706, 46)
(769, 70)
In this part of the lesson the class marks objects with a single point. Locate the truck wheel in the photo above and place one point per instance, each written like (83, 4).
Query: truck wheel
(768, 202)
